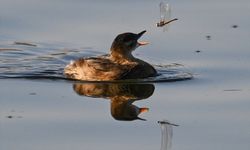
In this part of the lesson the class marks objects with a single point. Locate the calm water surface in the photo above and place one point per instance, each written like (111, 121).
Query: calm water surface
(40, 110)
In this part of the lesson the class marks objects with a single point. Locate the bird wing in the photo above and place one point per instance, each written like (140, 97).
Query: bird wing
(106, 69)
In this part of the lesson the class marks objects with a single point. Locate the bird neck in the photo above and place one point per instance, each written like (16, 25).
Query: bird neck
(122, 57)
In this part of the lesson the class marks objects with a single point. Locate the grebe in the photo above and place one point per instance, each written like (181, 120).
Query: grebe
(118, 65)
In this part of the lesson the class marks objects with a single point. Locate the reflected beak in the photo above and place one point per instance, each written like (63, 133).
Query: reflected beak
(141, 43)
(142, 110)
(141, 119)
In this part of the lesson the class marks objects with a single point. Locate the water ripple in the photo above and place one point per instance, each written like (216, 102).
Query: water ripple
(46, 61)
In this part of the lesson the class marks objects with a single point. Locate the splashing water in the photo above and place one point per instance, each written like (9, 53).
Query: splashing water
(47, 61)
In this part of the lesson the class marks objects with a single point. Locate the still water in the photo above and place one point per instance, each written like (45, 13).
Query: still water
(40, 109)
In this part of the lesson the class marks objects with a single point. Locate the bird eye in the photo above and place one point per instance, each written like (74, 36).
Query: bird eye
(126, 40)
(130, 43)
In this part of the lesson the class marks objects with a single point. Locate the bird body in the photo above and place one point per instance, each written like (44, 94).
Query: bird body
(118, 65)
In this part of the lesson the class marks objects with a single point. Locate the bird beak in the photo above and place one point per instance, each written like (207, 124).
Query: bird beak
(141, 33)
(141, 43)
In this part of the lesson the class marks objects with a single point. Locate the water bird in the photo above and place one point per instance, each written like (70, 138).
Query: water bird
(118, 65)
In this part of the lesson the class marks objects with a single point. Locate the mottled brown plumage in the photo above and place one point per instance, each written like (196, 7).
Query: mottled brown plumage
(119, 64)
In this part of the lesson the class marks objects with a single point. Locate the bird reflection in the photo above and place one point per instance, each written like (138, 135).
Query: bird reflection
(121, 95)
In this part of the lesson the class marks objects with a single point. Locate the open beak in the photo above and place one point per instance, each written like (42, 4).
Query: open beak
(141, 43)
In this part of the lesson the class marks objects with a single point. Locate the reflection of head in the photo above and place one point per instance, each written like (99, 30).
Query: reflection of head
(125, 110)
(121, 95)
